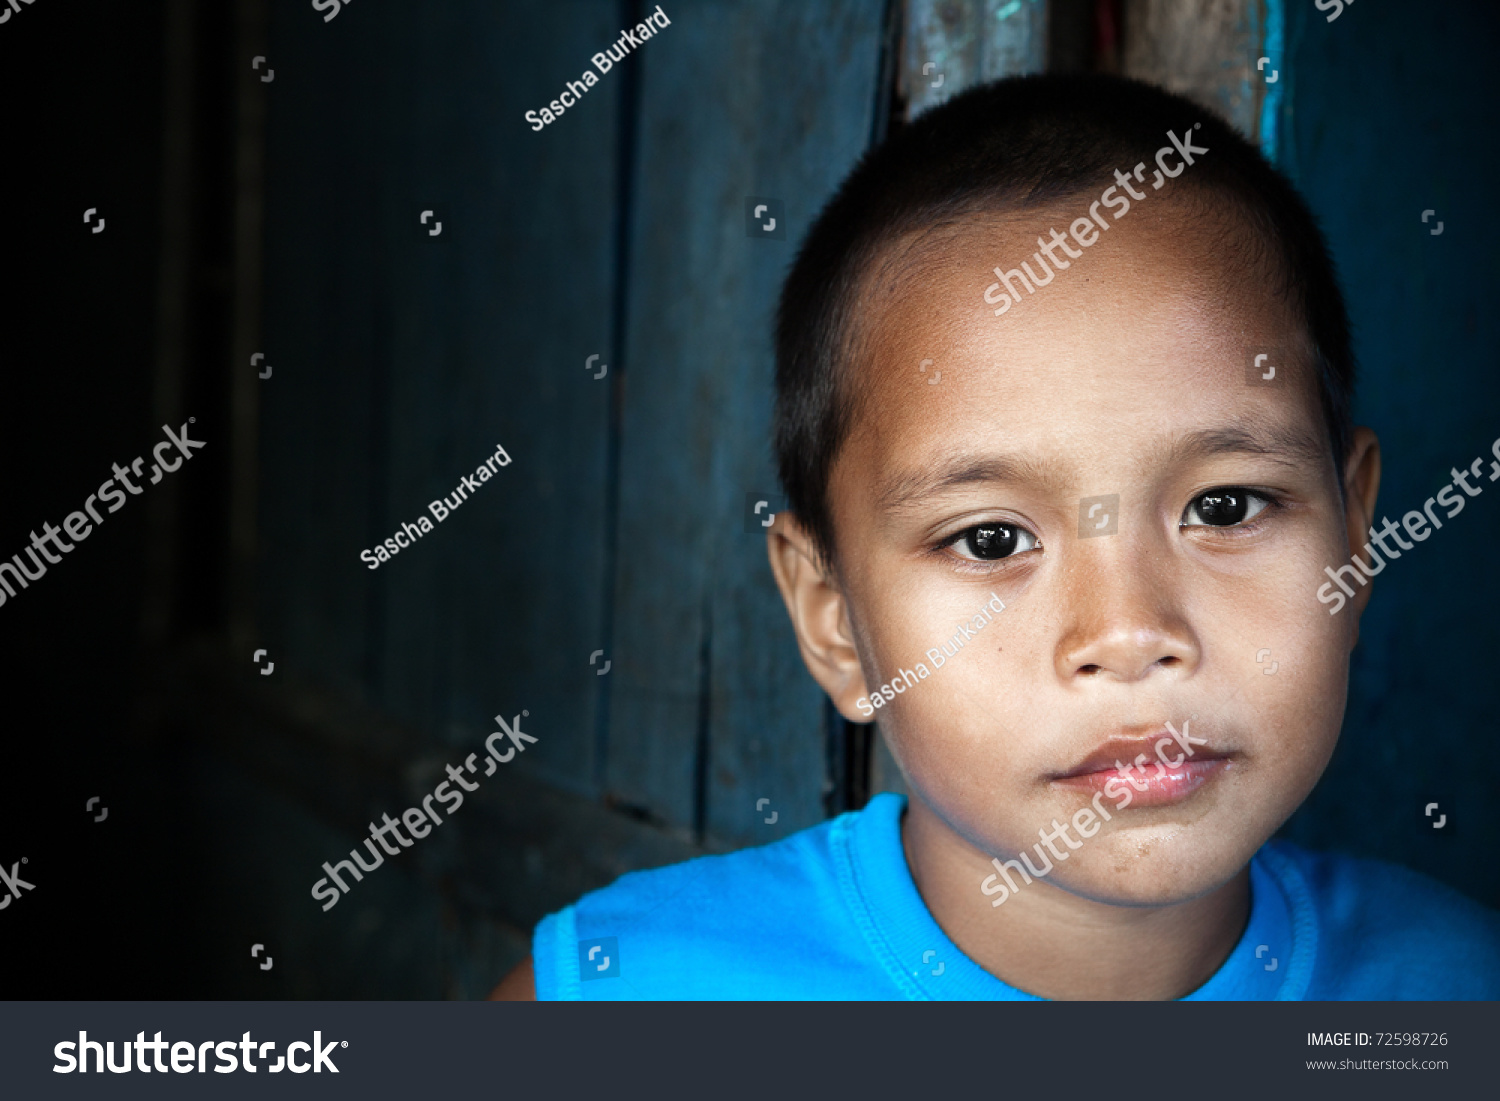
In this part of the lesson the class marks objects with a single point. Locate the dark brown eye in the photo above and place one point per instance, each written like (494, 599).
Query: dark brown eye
(1223, 508)
(991, 542)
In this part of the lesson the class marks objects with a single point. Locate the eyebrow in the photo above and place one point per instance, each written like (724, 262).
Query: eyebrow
(1289, 447)
(962, 469)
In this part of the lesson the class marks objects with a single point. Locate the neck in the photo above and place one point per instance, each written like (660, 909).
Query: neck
(1049, 942)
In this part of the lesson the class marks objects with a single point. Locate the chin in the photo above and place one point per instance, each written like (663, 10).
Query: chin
(1148, 872)
(1141, 890)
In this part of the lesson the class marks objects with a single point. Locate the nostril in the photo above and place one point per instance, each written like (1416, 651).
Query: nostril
(1090, 669)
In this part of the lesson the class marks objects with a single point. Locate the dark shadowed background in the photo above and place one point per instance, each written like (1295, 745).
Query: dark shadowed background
(282, 217)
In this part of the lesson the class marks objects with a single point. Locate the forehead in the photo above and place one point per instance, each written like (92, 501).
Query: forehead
(1153, 329)
(1166, 260)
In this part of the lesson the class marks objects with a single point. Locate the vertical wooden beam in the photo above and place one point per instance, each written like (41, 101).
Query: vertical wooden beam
(711, 709)
(171, 305)
(1278, 93)
(1204, 49)
(245, 324)
(952, 45)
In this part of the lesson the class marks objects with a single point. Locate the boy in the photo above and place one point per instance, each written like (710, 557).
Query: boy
(1053, 494)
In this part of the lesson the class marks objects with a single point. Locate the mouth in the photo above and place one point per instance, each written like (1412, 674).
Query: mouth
(1155, 767)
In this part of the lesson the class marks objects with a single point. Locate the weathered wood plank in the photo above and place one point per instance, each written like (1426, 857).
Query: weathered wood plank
(404, 359)
(739, 100)
(951, 45)
(516, 849)
(1204, 49)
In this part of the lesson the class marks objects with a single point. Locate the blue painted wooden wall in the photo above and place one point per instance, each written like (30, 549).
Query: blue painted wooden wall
(402, 360)
(1390, 112)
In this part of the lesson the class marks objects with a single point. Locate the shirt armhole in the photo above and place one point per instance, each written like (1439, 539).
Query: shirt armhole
(553, 946)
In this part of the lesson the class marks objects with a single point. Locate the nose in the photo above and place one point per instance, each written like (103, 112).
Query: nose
(1122, 617)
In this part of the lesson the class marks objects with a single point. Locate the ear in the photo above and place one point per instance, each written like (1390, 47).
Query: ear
(1361, 487)
(820, 614)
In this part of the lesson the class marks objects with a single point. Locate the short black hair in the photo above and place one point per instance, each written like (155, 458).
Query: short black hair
(1020, 143)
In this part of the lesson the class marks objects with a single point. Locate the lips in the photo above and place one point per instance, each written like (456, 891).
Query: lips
(1155, 780)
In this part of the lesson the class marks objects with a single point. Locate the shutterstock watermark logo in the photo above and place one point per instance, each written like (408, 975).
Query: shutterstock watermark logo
(1086, 821)
(191, 1057)
(1085, 231)
(14, 5)
(12, 885)
(1099, 516)
(1419, 527)
(324, 5)
(169, 454)
(419, 821)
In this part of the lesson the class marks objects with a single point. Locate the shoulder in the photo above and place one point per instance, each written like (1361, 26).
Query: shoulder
(1387, 932)
(765, 922)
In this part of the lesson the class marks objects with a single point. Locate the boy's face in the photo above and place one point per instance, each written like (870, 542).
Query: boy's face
(1187, 597)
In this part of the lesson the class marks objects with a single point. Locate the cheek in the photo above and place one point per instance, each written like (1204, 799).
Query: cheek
(962, 735)
(971, 725)
(1295, 709)
(1281, 683)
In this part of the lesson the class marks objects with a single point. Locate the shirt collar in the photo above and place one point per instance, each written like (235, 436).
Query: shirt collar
(1272, 960)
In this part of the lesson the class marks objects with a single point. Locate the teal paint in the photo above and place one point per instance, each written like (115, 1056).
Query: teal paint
(1270, 110)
